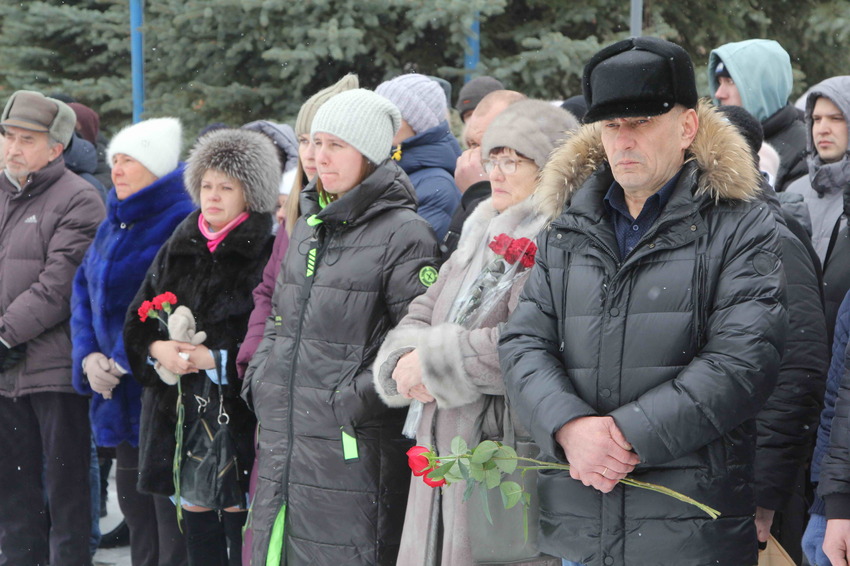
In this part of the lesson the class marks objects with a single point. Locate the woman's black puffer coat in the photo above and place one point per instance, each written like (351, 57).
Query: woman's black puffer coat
(679, 342)
(349, 273)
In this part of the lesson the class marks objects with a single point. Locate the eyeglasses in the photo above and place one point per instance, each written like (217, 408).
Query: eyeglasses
(507, 165)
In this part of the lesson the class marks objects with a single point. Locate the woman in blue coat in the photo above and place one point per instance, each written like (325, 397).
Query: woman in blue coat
(147, 202)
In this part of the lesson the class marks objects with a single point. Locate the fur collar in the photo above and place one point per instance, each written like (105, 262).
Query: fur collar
(720, 152)
(523, 220)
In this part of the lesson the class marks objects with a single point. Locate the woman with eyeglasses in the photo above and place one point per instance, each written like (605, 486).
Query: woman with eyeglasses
(443, 353)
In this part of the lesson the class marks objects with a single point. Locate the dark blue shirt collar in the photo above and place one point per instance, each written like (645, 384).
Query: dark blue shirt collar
(615, 198)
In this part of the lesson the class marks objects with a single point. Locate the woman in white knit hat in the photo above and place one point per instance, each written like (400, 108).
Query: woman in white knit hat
(332, 465)
(146, 204)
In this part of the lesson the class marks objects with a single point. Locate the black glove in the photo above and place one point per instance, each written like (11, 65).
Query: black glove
(10, 357)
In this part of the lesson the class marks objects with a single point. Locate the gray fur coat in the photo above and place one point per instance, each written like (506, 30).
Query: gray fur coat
(459, 367)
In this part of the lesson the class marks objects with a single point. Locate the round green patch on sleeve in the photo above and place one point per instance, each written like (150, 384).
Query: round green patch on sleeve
(428, 275)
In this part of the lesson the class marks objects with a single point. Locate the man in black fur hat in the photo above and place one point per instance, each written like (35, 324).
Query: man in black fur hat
(649, 333)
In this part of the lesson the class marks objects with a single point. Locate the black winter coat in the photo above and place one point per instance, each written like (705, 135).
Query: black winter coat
(311, 382)
(786, 132)
(679, 342)
(787, 422)
(217, 288)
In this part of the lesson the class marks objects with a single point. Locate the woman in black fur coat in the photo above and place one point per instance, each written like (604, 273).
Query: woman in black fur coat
(211, 264)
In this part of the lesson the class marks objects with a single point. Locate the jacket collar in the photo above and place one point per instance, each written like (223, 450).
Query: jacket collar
(719, 162)
(38, 181)
(150, 201)
(387, 187)
(248, 240)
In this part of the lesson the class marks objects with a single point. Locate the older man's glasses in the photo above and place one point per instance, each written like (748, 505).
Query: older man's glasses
(507, 165)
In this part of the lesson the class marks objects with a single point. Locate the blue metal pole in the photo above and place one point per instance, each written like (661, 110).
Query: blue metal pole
(636, 23)
(137, 58)
(473, 47)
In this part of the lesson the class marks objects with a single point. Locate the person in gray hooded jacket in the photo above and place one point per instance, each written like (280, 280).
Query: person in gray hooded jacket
(825, 189)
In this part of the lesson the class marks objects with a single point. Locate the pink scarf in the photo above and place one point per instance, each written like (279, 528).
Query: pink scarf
(215, 238)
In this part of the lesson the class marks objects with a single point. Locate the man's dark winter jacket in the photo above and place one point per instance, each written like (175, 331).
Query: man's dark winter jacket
(833, 381)
(429, 159)
(471, 198)
(311, 382)
(834, 469)
(786, 132)
(45, 230)
(787, 422)
(679, 342)
(111, 273)
(217, 288)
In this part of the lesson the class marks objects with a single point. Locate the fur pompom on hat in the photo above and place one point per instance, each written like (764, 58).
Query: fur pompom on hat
(309, 108)
(361, 118)
(154, 143)
(420, 100)
(530, 127)
(247, 156)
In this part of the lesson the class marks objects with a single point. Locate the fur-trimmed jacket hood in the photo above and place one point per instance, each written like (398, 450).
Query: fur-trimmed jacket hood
(720, 153)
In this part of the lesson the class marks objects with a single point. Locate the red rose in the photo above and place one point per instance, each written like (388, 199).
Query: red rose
(144, 310)
(501, 243)
(434, 483)
(167, 297)
(417, 460)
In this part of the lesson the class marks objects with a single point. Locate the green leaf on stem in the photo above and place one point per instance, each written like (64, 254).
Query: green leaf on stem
(505, 459)
(511, 493)
(487, 515)
(440, 472)
(476, 471)
(463, 465)
(459, 445)
(492, 478)
(467, 493)
(484, 451)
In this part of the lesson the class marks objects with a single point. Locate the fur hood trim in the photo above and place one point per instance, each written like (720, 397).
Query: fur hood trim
(246, 155)
(720, 152)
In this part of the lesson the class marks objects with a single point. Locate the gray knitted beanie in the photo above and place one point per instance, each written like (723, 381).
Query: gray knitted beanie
(421, 100)
(248, 156)
(530, 127)
(361, 118)
(309, 108)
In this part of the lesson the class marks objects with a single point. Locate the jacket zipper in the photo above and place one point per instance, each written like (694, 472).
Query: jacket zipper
(317, 248)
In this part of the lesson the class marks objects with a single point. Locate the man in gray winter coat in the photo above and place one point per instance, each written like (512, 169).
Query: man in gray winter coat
(650, 331)
(48, 217)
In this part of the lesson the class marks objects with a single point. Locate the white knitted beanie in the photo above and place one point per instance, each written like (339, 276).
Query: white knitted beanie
(361, 118)
(154, 143)
(420, 99)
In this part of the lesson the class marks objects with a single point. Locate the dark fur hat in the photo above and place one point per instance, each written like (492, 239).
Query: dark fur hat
(639, 76)
(248, 156)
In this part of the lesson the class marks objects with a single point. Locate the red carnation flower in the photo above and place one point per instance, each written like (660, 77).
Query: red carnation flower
(501, 243)
(167, 297)
(417, 460)
(514, 252)
(145, 310)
